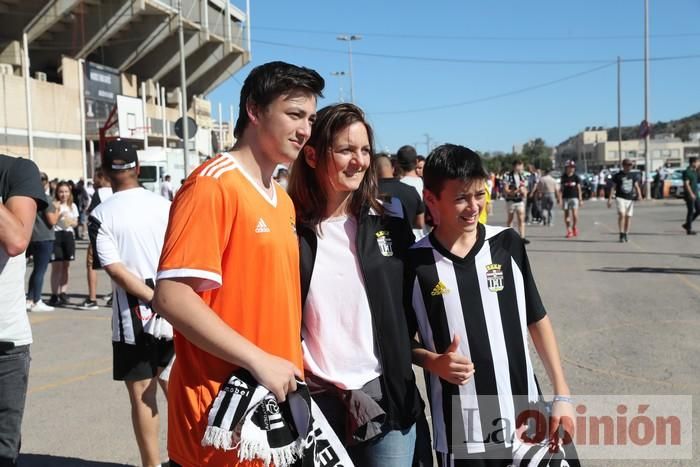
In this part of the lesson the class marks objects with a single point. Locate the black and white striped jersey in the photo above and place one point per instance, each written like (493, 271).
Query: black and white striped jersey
(488, 298)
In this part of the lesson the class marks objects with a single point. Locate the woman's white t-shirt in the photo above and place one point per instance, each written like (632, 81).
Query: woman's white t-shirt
(337, 325)
(66, 215)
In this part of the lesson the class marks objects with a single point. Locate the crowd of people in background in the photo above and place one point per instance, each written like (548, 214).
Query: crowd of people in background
(540, 192)
(532, 196)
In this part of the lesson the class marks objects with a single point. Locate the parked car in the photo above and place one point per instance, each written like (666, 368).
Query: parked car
(586, 185)
(676, 189)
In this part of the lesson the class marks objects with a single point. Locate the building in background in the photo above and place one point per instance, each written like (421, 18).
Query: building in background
(83, 54)
(592, 150)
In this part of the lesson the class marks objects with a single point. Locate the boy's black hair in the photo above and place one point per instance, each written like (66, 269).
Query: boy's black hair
(451, 162)
(691, 160)
(266, 82)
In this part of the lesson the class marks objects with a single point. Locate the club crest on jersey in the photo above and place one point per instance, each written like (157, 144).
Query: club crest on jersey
(439, 289)
(494, 277)
(384, 242)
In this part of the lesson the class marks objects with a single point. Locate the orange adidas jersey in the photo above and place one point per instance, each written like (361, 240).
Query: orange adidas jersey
(242, 245)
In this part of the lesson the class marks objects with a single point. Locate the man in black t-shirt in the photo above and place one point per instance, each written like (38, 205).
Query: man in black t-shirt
(571, 198)
(103, 190)
(41, 249)
(412, 203)
(625, 188)
(21, 195)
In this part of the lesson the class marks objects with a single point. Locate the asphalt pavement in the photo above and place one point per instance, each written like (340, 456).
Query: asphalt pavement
(627, 317)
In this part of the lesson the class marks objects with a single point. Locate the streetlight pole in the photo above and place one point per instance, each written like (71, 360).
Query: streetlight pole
(619, 115)
(349, 40)
(647, 160)
(339, 75)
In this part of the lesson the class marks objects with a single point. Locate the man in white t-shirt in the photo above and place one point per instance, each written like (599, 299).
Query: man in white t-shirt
(127, 232)
(406, 159)
(166, 188)
(21, 194)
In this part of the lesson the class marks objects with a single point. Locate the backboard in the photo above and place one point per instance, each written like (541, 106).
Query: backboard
(130, 118)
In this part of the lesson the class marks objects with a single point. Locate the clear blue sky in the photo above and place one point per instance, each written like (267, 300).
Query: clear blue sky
(461, 33)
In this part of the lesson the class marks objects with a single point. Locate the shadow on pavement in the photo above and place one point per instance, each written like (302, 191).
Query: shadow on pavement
(662, 233)
(684, 271)
(570, 240)
(45, 460)
(634, 252)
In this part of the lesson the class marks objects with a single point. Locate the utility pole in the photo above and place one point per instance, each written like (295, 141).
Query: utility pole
(647, 160)
(619, 115)
(183, 86)
(428, 139)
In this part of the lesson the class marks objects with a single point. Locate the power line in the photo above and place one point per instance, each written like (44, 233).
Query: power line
(485, 61)
(495, 96)
(487, 38)
(438, 59)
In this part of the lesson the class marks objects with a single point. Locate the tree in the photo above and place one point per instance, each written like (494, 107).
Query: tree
(683, 132)
(537, 153)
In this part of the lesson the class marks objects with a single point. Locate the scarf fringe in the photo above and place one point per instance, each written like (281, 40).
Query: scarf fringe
(280, 457)
(218, 438)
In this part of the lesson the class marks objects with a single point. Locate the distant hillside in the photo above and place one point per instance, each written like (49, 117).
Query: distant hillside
(681, 128)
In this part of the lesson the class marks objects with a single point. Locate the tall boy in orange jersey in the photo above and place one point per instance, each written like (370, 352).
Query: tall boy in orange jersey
(228, 278)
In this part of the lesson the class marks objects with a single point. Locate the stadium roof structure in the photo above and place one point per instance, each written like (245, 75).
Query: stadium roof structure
(133, 36)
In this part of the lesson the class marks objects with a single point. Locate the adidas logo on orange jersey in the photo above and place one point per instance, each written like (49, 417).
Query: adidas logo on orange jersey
(261, 227)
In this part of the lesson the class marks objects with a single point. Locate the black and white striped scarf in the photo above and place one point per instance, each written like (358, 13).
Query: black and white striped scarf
(245, 416)
(543, 455)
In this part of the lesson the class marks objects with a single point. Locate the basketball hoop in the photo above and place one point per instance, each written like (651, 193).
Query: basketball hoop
(139, 132)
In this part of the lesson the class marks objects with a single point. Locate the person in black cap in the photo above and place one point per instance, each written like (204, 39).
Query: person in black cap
(127, 232)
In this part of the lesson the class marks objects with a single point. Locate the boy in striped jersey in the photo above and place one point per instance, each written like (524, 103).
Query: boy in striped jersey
(474, 300)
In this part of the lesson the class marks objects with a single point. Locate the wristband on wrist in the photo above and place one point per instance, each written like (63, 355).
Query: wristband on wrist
(563, 399)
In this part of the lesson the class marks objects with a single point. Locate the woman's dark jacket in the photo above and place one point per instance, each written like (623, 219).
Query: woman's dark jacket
(382, 242)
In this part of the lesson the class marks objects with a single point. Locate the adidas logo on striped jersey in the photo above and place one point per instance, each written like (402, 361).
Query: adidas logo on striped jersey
(261, 227)
(440, 289)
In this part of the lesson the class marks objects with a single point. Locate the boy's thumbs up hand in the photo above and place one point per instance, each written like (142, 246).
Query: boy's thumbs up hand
(452, 366)
(454, 345)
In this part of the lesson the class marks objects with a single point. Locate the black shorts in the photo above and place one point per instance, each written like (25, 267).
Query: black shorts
(63, 247)
(142, 361)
